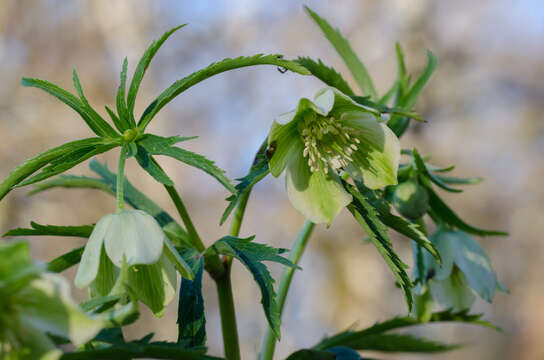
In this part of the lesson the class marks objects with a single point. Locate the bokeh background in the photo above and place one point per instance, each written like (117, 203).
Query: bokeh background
(484, 109)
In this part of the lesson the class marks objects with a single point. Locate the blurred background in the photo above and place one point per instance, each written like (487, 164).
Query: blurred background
(484, 108)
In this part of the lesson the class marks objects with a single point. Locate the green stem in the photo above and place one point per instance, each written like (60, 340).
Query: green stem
(212, 262)
(269, 345)
(224, 290)
(227, 311)
(121, 178)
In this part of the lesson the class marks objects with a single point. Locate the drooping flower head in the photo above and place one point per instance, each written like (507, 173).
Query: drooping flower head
(320, 139)
(466, 271)
(131, 239)
(34, 304)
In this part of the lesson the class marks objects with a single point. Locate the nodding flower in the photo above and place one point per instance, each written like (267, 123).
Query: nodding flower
(129, 248)
(466, 271)
(321, 139)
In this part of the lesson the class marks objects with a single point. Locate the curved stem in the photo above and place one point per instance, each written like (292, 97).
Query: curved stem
(269, 345)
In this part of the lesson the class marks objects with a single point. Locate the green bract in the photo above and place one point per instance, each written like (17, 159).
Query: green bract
(32, 304)
(465, 270)
(131, 239)
(322, 137)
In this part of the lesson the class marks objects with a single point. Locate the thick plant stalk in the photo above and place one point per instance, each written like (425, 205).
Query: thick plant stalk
(224, 291)
(269, 344)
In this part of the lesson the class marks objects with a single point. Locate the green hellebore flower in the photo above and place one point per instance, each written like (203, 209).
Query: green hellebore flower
(134, 239)
(322, 137)
(466, 270)
(33, 303)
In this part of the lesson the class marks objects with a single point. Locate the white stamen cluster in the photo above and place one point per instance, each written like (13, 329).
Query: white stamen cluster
(328, 142)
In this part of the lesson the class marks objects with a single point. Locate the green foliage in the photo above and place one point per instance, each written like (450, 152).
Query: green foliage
(191, 318)
(108, 182)
(32, 165)
(376, 337)
(156, 145)
(142, 67)
(83, 231)
(98, 125)
(213, 69)
(258, 171)
(252, 255)
(397, 223)
(326, 74)
(405, 96)
(65, 261)
(352, 61)
(368, 218)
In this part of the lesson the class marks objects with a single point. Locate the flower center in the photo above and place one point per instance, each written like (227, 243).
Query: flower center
(328, 142)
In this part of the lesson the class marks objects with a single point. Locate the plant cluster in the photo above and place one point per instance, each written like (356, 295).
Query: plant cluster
(339, 150)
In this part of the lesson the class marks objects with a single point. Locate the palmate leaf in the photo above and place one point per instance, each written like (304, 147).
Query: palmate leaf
(191, 318)
(326, 74)
(156, 145)
(368, 218)
(352, 61)
(215, 68)
(252, 255)
(142, 67)
(67, 161)
(32, 165)
(135, 198)
(98, 125)
(83, 231)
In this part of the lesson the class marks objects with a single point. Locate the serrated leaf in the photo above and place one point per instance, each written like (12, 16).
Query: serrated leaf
(83, 231)
(191, 318)
(399, 343)
(412, 95)
(96, 124)
(65, 261)
(116, 121)
(32, 165)
(397, 223)
(459, 181)
(142, 67)
(352, 61)
(379, 328)
(406, 97)
(151, 167)
(387, 110)
(213, 69)
(257, 172)
(367, 217)
(67, 161)
(156, 145)
(308, 354)
(97, 119)
(125, 120)
(134, 349)
(251, 255)
(326, 74)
